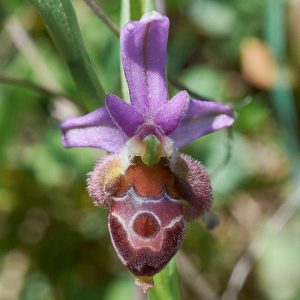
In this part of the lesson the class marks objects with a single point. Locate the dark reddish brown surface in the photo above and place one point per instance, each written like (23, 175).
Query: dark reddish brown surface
(140, 218)
(145, 225)
(194, 186)
(148, 181)
(145, 261)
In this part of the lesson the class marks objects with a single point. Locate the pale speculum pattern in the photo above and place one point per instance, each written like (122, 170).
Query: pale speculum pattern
(146, 220)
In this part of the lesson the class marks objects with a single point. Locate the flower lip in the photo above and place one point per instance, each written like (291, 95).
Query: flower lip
(145, 225)
(164, 194)
(148, 182)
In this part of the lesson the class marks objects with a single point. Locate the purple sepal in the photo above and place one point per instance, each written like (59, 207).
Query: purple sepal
(95, 130)
(146, 231)
(123, 114)
(143, 49)
(201, 118)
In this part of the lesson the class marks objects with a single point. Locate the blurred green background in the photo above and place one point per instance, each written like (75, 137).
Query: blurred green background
(54, 243)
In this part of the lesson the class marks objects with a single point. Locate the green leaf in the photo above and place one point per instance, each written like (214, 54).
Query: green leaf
(60, 19)
(166, 284)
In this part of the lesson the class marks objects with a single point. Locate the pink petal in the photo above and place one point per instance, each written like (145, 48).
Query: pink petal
(172, 112)
(123, 114)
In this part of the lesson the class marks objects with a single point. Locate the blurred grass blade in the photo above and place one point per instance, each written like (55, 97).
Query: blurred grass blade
(136, 9)
(166, 284)
(275, 28)
(147, 6)
(281, 94)
(60, 18)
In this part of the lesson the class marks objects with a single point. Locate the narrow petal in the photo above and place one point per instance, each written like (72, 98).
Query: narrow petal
(169, 117)
(96, 130)
(202, 117)
(123, 114)
(143, 50)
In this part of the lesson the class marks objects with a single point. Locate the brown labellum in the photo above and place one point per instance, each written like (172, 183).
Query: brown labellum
(146, 219)
(149, 206)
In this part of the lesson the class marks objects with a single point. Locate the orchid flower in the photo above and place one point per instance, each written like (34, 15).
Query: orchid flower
(150, 188)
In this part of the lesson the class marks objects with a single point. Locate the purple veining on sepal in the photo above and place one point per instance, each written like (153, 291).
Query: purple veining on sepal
(94, 130)
(143, 50)
(127, 118)
(201, 118)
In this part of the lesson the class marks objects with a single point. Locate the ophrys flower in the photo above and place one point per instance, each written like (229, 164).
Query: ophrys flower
(150, 188)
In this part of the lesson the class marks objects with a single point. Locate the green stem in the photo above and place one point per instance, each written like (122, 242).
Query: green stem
(124, 18)
(166, 285)
(147, 5)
